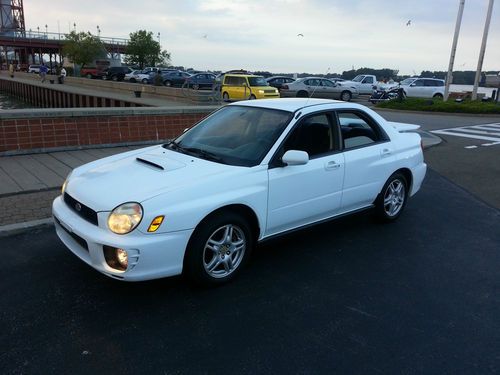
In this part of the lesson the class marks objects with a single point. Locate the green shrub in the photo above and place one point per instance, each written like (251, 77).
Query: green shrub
(438, 105)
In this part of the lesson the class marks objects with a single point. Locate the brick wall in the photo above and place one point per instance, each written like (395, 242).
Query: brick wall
(46, 133)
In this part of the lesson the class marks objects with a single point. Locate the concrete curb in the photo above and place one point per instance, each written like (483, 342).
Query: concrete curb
(11, 229)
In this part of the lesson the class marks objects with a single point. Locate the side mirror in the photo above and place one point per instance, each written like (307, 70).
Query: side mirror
(295, 157)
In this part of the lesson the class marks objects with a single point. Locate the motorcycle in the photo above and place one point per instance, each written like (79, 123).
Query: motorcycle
(386, 94)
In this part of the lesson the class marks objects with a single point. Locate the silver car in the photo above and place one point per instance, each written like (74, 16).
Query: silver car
(317, 87)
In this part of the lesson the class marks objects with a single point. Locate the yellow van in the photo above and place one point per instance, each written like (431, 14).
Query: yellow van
(245, 86)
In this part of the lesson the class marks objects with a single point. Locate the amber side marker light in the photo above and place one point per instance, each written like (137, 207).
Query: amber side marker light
(155, 224)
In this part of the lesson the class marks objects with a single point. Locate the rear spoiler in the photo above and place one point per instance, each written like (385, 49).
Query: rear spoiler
(402, 127)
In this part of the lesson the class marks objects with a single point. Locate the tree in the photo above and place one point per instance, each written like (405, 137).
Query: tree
(82, 48)
(143, 50)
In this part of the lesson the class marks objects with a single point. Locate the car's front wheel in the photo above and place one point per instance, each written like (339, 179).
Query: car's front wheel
(392, 199)
(438, 96)
(218, 249)
(225, 96)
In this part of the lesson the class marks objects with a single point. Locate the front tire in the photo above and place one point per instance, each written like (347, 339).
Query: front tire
(225, 97)
(438, 96)
(168, 83)
(218, 249)
(392, 199)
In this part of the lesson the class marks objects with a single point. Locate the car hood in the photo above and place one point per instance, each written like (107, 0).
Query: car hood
(137, 177)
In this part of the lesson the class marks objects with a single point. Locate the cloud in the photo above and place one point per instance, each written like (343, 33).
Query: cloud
(262, 35)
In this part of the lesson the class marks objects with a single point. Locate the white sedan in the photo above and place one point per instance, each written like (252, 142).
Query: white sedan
(136, 76)
(251, 170)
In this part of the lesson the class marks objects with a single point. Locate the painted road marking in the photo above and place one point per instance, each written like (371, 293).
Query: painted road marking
(484, 132)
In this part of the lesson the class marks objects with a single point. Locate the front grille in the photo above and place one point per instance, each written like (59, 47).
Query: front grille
(76, 237)
(83, 211)
(269, 92)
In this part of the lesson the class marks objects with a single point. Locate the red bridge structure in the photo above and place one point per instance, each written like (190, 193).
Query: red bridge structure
(22, 47)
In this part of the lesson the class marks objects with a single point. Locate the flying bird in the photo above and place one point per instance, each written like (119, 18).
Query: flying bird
(205, 36)
(408, 23)
(302, 35)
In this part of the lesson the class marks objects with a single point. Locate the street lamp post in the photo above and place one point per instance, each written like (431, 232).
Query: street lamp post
(46, 30)
(74, 26)
(98, 31)
(159, 38)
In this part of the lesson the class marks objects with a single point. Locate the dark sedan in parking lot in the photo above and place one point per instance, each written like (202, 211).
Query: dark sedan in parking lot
(200, 80)
(278, 81)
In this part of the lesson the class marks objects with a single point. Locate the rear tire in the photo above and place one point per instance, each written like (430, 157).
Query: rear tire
(302, 94)
(218, 249)
(225, 96)
(168, 83)
(346, 96)
(252, 97)
(392, 199)
(89, 76)
(438, 96)
(144, 80)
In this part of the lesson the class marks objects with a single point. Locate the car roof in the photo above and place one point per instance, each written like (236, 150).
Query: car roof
(294, 104)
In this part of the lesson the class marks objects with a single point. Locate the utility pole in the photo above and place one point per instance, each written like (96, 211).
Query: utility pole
(449, 76)
(483, 48)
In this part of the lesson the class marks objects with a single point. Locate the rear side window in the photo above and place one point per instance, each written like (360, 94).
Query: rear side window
(358, 129)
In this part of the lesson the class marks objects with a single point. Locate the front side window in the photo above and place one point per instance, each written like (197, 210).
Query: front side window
(368, 80)
(234, 135)
(327, 83)
(313, 135)
(358, 130)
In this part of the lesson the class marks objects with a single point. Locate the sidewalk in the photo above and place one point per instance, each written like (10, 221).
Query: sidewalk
(29, 183)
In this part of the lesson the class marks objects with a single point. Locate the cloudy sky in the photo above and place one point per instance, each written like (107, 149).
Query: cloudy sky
(262, 35)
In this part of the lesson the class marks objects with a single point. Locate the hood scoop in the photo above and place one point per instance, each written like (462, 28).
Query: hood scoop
(159, 162)
(150, 163)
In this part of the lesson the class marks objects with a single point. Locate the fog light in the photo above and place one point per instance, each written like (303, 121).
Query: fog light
(122, 257)
(116, 258)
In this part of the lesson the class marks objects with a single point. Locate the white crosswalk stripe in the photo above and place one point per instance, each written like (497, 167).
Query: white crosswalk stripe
(483, 132)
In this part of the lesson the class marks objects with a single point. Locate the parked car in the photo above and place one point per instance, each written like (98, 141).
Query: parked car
(249, 171)
(136, 76)
(245, 86)
(317, 87)
(34, 69)
(363, 83)
(200, 80)
(278, 81)
(116, 73)
(423, 87)
(174, 78)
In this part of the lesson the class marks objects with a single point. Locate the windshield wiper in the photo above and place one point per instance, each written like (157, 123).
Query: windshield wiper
(204, 154)
(174, 146)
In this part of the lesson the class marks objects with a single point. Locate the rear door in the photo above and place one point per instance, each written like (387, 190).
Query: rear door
(369, 157)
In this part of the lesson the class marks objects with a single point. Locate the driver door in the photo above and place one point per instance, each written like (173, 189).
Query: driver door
(303, 194)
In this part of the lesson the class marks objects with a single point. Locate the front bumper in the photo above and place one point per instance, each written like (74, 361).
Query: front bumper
(151, 256)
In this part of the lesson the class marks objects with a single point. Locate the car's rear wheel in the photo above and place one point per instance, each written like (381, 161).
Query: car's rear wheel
(114, 78)
(252, 97)
(225, 96)
(346, 96)
(167, 83)
(438, 96)
(302, 94)
(144, 80)
(89, 76)
(392, 199)
(218, 249)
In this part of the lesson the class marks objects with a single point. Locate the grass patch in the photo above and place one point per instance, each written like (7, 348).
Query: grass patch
(438, 105)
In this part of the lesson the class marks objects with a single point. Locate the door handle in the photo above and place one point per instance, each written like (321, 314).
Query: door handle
(385, 152)
(332, 165)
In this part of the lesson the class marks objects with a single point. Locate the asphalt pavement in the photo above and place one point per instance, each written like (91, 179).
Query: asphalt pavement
(419, 296)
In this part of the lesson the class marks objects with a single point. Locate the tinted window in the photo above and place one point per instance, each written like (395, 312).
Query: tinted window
(358, 130)
(312, 82)
(313, 135)
(418, 83)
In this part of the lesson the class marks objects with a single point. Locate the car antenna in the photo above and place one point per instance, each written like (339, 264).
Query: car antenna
(327, 71)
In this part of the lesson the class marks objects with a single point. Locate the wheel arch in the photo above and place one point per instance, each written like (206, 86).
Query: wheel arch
(406, 172)
(240, 209)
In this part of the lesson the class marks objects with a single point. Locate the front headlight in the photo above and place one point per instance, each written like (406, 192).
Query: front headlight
(63, 188)
(124, 218)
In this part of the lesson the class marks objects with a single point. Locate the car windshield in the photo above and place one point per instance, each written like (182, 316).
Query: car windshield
(234, 135)
(407, 81)
(257, 81)
(358, 78)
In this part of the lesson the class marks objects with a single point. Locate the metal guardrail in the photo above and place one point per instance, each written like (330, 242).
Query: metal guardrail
(49, 36)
